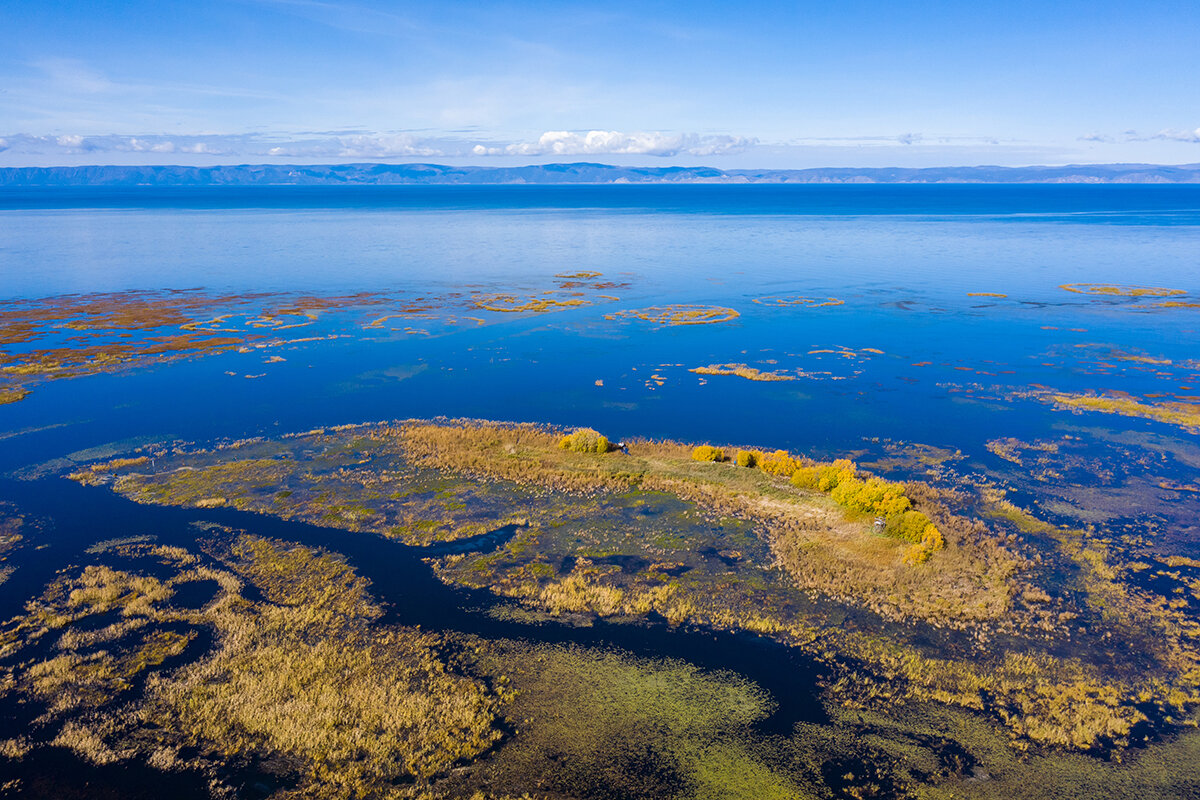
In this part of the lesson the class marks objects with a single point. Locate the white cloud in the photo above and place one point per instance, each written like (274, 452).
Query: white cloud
(572, 143)
(1165, 135)
(358, 146)
(385, 146)
(1171, 135)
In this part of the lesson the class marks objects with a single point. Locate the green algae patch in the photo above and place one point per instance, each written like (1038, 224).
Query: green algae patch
(618, 726)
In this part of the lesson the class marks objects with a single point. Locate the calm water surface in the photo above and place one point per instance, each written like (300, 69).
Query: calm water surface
(907, 356)
(902, 258)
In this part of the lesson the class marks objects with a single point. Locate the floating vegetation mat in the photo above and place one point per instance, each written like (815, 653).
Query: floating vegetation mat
(678, 314)
(1120, 290)
(742, 371)
(1185, 415)
(798, 300)
(77, 335)
(511, 303)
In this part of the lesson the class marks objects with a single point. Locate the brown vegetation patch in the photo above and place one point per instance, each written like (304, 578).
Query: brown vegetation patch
(742, 371)
(12, 394)
(1120, 290)
(305, 680)
(798, 300)
(1184, 415)
(512, 303)
(678, 314)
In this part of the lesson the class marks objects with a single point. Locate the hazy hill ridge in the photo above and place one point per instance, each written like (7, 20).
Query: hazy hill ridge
(428, 174)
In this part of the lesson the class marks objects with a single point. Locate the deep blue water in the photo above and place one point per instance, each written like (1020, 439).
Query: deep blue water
(902, 258)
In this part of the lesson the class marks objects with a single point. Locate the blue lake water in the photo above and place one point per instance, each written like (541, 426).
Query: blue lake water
(902, 259)
(924, 331)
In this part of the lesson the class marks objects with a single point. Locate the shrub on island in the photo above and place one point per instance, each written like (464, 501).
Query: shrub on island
(873, 496)
(824, 477)
(916, 527)
(707, 452)
(747, 458)
(778, 463)
(586, 440)
(908, 525)
(877, 496)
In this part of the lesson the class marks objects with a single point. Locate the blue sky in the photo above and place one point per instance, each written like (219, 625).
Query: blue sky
(774, 84)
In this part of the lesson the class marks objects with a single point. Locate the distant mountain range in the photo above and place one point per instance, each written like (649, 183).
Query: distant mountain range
(426, 174)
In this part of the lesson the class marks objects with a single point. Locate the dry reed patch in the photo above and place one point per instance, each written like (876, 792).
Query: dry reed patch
(305, 679)
(12, 394)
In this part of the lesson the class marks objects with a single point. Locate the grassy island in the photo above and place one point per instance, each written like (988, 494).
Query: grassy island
(902, 589)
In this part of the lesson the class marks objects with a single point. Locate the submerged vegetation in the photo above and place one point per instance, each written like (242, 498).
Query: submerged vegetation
(1185, 415)
(78, 335)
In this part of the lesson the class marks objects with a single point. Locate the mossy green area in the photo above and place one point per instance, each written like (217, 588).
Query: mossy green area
(349, 478)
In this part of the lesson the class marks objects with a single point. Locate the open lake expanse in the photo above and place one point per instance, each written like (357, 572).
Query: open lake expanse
(703, 491)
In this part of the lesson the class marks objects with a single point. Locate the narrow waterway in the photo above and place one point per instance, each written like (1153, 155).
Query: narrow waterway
(80, 516)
